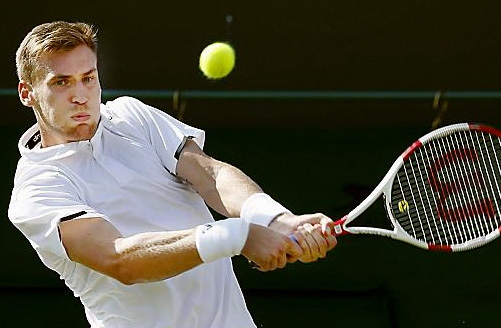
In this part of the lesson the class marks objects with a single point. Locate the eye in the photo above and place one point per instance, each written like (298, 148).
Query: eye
(60, 82)
(88, 79)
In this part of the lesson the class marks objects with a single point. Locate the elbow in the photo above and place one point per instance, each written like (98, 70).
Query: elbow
(123, 273)
(132, 273)
(125, 267)
(126, 273)
(127, 280)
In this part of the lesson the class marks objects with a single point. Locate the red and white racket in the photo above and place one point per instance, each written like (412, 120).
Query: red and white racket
(443, 193)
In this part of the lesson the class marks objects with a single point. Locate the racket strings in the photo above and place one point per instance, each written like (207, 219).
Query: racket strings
(478, 204)
(469, 209)
(485, 208)
(471, 204)
(450, 174)
(450, 189)
(469, 198)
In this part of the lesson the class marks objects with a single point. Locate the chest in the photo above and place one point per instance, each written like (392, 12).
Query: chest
(129, 184)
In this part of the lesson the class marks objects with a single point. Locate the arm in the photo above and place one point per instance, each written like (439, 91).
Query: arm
(154, 256)
(146, 257)
(223, 187)
(226, 189)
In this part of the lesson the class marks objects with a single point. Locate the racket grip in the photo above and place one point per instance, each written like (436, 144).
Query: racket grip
(338, 227)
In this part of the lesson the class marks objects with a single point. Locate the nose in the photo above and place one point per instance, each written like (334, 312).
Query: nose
(79, 94)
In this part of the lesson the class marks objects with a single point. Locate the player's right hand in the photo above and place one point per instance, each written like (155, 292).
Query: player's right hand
(269, 250)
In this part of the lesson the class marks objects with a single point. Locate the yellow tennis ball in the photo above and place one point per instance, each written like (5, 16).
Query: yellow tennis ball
(217, 60)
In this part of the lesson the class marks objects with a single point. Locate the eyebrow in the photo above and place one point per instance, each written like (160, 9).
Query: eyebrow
(62, 76)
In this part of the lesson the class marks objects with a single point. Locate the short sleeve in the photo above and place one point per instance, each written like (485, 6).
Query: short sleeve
(165, 133)
(39, 202)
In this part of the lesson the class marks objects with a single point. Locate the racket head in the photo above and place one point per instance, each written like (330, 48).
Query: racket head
(445, 189)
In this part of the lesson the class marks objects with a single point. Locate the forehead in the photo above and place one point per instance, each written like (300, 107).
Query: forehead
(69, 63)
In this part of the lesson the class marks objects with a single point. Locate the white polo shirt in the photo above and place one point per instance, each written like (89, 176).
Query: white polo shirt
(123, 175)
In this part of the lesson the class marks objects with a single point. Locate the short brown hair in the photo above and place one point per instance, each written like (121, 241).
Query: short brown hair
(51, 37)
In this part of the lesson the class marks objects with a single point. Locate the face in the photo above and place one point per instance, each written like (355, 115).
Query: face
(66, 96)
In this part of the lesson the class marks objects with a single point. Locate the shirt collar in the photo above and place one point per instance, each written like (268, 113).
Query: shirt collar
(29, 145)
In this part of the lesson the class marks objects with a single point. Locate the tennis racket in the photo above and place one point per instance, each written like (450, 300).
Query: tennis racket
(443, 193)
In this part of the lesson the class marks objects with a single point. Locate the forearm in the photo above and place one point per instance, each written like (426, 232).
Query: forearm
(232, 188)
(225, 188)
(234, 194)
(155, 256)
(222, 186)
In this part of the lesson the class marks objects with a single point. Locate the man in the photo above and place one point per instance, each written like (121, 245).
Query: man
(113, 198)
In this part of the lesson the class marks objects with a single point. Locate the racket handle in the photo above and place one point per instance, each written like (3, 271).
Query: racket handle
(338, 227)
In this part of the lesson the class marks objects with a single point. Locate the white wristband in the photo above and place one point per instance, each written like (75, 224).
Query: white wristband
(261, 209)
(223, 238)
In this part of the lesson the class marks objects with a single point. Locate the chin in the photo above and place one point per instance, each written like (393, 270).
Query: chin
(85, 131)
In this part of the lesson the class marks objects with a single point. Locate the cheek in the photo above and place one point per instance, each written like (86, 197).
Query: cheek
(96, 92)
(96, 98)
(44, 97)
(50, 107)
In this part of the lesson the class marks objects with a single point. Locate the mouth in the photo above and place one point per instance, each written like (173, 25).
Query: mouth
(81, 117)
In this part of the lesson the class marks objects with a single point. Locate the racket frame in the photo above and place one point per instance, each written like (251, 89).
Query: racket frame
(340, 227)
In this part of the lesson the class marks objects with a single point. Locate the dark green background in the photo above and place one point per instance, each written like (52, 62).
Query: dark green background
(310, 154)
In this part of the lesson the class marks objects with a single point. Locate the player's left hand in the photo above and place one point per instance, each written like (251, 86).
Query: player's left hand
(311, 231)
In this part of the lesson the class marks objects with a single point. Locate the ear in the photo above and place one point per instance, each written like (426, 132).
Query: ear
(25, 91)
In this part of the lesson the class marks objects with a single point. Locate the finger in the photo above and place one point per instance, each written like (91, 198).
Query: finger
(290, 258)
(328, 233)
(301, 247)
(309, 245)
(294, 248)
(279, 258)
(265, 267)
(313, 219)
(320, 241)
(327, 226)
(314, 238)
(282, 261)
(331, 241)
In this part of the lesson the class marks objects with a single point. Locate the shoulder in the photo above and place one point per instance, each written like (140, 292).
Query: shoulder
(36, 185)
(124, 107)
(131, 115)
(125, 102)
(39, 177)
(128, 108)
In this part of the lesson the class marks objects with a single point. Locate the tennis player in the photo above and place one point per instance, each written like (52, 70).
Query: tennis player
(112, 196)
